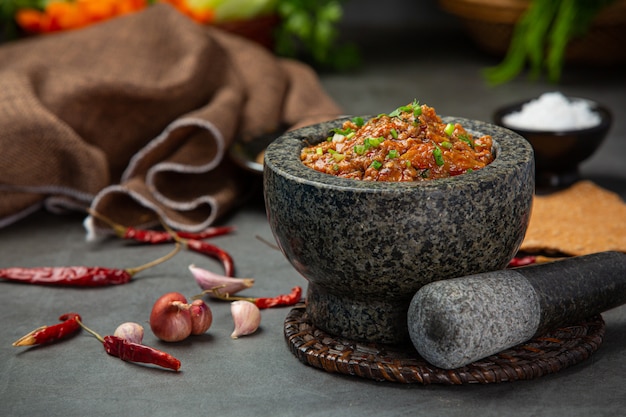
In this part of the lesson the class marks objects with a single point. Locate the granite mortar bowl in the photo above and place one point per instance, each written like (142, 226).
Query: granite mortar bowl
(558, 154)
(366, 247)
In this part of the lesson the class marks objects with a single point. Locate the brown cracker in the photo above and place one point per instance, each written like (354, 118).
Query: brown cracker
(579, 220)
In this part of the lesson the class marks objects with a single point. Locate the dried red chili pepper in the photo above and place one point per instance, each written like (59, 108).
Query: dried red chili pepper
(159, 236)
(189, 239)
(521, 261)
(134, 352)
(213, 251)
(50, 334)
(530, 260)
(78, 276)
(282, 300)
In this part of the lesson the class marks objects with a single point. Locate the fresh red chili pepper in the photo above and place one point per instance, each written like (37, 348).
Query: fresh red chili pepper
(49, 334)
(134, 352)
(281, 300)
(78, 276)
(213, 251)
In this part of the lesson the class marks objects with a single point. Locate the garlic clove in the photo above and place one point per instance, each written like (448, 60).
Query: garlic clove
(247, 318)
(129, 331)
(210, 281)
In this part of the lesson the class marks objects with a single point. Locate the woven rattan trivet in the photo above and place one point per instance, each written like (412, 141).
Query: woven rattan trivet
(544, 355)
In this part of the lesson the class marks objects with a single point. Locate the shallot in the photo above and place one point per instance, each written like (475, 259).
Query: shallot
(172, 319)
(201, 317)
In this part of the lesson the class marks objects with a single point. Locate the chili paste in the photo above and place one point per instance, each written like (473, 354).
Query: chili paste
(409, 144)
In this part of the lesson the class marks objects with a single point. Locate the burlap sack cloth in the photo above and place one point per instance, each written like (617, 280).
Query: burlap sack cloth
(135, 116)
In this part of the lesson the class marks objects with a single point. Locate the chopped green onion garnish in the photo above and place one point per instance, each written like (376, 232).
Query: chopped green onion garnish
(343, 132)
(338, 157)
(319, 151)
(372, 142)
(359, 149)
(392, 154)
(417, 110)
(408, 164)
(449, 129)
(376, 165)
(467, 140)
(335, 167)
(446, 145)
(350, 135)
(438, 156)
(394, 133)
(358, 121)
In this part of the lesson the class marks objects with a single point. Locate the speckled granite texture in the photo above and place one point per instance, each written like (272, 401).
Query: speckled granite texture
(367, 247)
(577, 288)
(455, 322)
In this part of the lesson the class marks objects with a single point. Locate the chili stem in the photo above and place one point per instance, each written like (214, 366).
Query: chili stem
(117, 228)
(133, 271)
(88, 330)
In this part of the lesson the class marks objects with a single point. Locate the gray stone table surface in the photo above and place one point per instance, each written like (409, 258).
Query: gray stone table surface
(257, 375)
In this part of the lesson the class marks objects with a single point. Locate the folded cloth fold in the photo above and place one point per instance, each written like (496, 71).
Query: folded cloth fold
(133, 117)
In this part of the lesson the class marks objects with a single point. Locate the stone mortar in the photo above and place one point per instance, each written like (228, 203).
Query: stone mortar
(367, 247)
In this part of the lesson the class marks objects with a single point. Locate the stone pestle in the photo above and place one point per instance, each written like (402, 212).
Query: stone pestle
(458, 321)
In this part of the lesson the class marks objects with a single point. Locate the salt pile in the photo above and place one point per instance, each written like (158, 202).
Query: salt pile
(553, 112)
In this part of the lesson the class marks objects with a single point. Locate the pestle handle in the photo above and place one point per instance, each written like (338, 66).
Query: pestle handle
(458, 321)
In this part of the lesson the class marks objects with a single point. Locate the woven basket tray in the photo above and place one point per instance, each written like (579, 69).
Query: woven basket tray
(490, 24)
(541, 356)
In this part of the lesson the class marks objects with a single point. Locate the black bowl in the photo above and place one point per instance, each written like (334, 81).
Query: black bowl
(558, 154)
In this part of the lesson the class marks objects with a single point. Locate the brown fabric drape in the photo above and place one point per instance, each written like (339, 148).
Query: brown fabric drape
(134, 117)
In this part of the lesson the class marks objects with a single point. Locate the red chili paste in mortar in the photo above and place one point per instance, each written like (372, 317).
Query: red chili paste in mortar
(409, 144)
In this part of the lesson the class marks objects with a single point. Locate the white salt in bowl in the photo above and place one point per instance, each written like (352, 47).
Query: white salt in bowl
(560, 144)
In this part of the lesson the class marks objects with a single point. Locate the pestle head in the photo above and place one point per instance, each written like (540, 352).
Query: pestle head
(455, 322)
